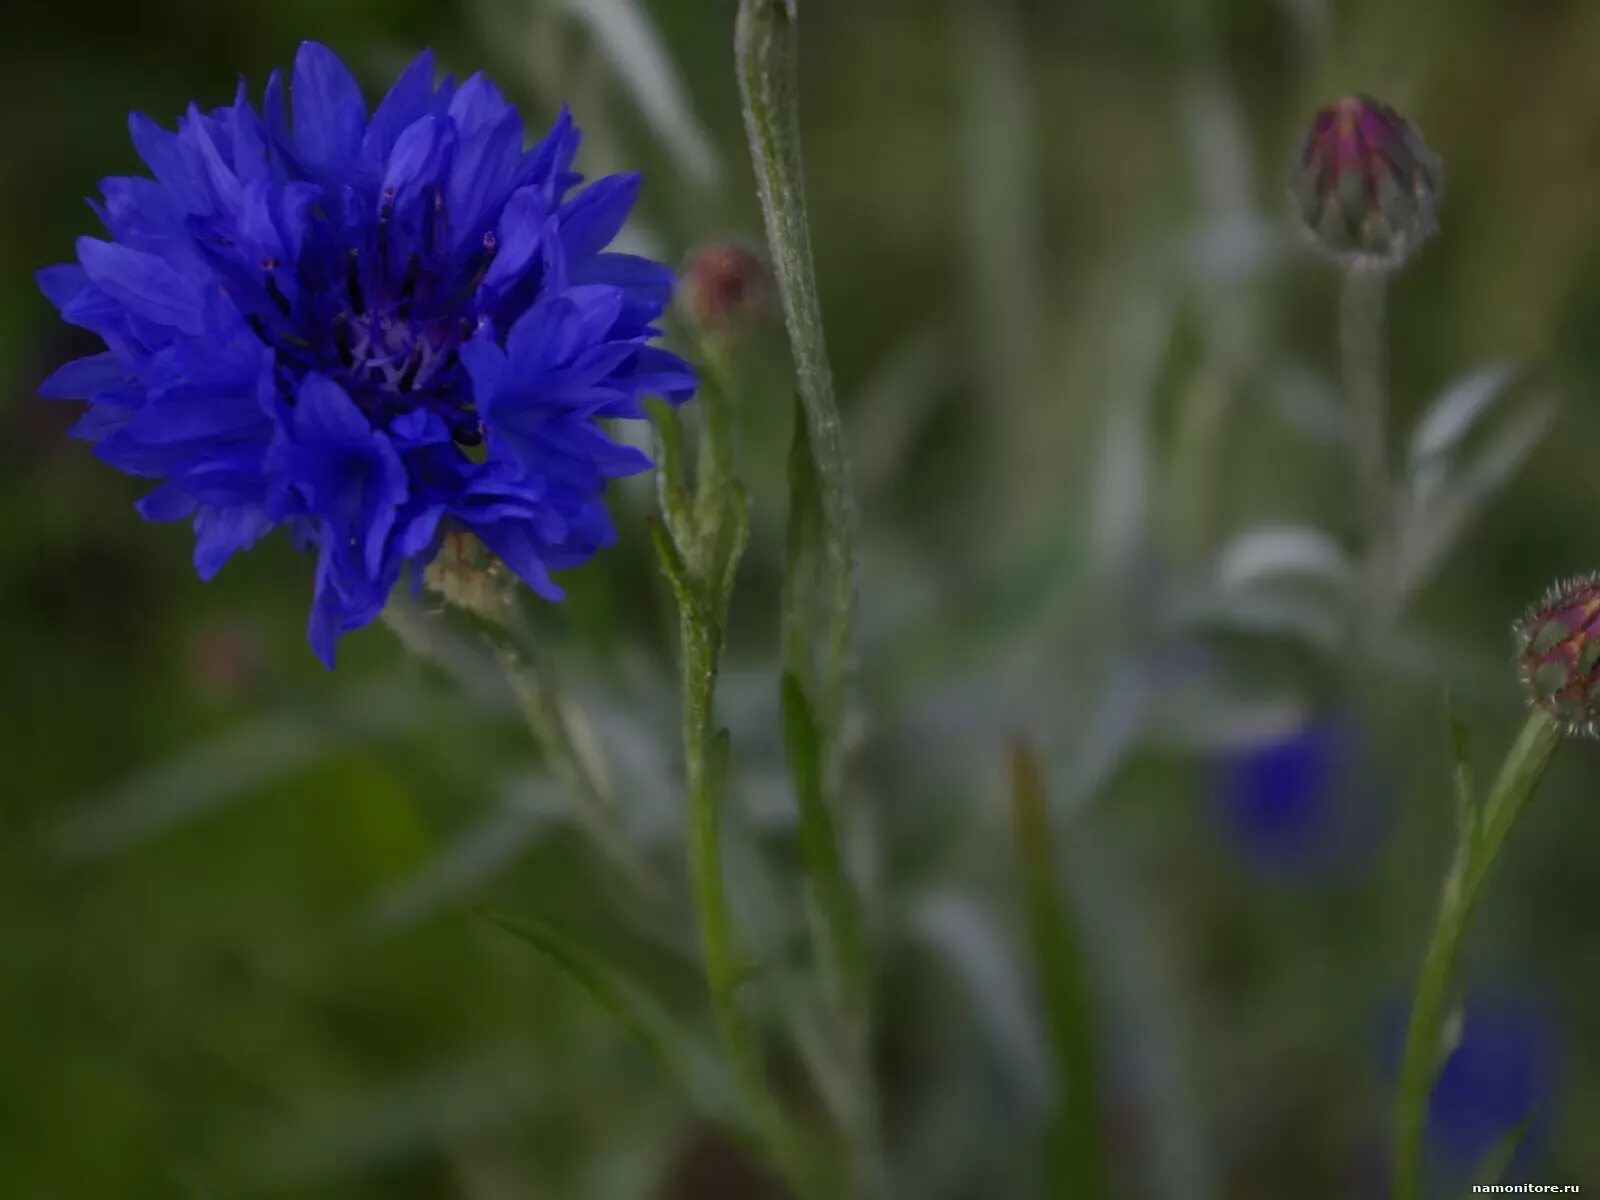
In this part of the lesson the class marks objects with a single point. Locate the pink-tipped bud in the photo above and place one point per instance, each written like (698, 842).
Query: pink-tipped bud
(1558, 654)
(1366, 184)
(726, 285)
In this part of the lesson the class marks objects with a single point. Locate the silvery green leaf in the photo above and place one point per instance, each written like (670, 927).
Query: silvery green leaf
(528, 807)
(1230, 248)
(1207, 716)
(1146, 1042)
(1451, 416)
(1122, 488)
(1310, 404)
(1282, 553)
(631, 41)
(980, 953)
(1311, 619)
(225, 770)
(1108, 736)
(1219, 144)
(1431, 523)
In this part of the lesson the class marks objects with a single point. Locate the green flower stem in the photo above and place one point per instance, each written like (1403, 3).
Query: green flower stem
(700, 544)
(765, 42)
(1483, 832)
(823, 518)
(1361, 311)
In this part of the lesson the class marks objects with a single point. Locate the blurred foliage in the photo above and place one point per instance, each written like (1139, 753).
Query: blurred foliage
(1080, 354)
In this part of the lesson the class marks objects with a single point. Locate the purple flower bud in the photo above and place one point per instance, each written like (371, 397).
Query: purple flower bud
(1366, 185)
(1558, 654)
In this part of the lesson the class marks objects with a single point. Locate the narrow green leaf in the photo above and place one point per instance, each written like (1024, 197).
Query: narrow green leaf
(672, 485)
(1074, 1163)
(645, 1022)
(819, 852)
(732, 539)
(677, 573)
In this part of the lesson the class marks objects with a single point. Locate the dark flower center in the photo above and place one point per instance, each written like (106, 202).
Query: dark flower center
(387, 322)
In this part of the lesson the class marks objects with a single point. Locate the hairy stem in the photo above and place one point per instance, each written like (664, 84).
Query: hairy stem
(1483, 832)
(765, 41)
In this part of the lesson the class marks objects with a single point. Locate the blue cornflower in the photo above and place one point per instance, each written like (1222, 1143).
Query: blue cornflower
(370, 329)
(1304, 802)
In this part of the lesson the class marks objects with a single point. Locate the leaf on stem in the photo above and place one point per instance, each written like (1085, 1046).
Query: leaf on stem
(651, 1027)
(1498, 1161)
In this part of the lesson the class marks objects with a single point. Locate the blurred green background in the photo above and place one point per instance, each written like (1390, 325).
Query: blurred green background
(1081, 352)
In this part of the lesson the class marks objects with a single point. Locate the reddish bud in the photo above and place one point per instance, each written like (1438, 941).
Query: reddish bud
(726, 284)
(1366, 184)
(1558, 654)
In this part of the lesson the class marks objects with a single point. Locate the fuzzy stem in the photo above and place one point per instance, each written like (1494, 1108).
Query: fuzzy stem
(765, 42)
(1483, 833)
(700, 549)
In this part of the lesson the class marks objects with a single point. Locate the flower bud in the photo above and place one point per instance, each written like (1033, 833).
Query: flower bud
(1558, 654)
(1366, 185)
(726, 285)
(467, 576)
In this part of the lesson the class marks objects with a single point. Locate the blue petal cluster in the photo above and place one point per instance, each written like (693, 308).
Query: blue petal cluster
(368, 328)
(1304, 803)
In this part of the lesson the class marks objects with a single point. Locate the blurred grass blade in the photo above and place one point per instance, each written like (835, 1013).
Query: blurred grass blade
(644, 66)
(655, 1032)
(1001, 205)
(979, 951)
(1492, 1170)
(1075, 1167)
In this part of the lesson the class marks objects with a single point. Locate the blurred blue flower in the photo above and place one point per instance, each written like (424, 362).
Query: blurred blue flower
(370, 329)
(1502, 1073)
(1301, 803)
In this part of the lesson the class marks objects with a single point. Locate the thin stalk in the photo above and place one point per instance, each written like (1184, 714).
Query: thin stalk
(1361, 311)
(699, 549)
(765, 42)
(705, 756)
(1483, 833)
